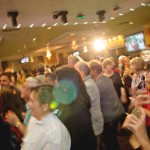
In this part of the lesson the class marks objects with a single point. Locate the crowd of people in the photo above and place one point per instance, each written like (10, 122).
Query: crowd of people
(79, 106)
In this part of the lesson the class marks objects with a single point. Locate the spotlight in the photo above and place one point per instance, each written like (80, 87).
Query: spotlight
(55, 15)
(13, 15)
(116, 8)
(101, 16)
(61, 14)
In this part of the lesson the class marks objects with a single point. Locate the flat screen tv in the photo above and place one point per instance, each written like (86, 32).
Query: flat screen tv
(135, 42)
(25, 60)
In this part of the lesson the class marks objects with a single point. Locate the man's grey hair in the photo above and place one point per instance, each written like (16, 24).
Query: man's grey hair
(32, 82)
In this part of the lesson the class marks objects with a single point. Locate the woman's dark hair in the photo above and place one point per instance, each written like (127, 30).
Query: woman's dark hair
(70, 74)
(10, 101)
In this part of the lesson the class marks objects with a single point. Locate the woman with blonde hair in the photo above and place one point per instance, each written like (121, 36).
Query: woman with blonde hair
(137, 65)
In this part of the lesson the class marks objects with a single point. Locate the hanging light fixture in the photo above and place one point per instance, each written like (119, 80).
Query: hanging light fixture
(85, 50)
(48, 54)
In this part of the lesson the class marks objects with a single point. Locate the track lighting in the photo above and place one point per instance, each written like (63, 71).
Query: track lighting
(13, 15)
(61, 14)
(101, 16)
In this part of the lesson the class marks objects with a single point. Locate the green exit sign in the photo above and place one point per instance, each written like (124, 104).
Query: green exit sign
(81, 17)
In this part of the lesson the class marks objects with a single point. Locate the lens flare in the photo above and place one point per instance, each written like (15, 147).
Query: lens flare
(65, 92)
(53, 105)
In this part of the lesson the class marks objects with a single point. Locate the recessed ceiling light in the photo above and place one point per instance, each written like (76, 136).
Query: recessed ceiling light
(76, 23)
(4, 27)
(85, 23)
(131, 9)
(34, 39)
(120, 14)
(55, 24)
(143, 4)
(112, 18)
(103, 33)
(31, 25)
(49, 28)
(66, 24)
(72, 34)
(44, 24)
(18, 51)
(19, 25)
(94, 22)
(104, 21)
(83, 38)
(131, 23)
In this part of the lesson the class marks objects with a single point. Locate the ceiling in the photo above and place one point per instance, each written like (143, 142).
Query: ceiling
(36, 29)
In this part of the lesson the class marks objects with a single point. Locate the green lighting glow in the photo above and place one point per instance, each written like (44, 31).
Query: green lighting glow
(53, 105)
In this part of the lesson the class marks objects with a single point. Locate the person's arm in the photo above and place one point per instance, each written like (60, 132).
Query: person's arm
(143, 99)
(12, 119)
(137, 126)
(123, 95)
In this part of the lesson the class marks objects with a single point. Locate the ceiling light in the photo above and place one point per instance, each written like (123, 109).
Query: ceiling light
(24, 46)
(49, 28)
(85, 50)
(82, 33)
(99, 44)
(143, 4)
(83, 38)
(131, 23)
(61, 14)
(44, 24)
(55, 24)
(114, 38)
(131, 9)
(19, 25)
(103, 22)
(94, 22)
(4, 27)
(72, 34)
(48, 54)
(112, 18)
(31, 25)
(120, 14)
(34, 39)
(75, 23)
(116, 8)
(13, 15)
(18, 51)
(103, 33)
(66, 24)
(109, 40)
(119, 36)
(85, 23)
(101, 15)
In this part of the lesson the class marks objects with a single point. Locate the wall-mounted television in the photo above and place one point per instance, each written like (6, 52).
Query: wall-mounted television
(135, 42)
